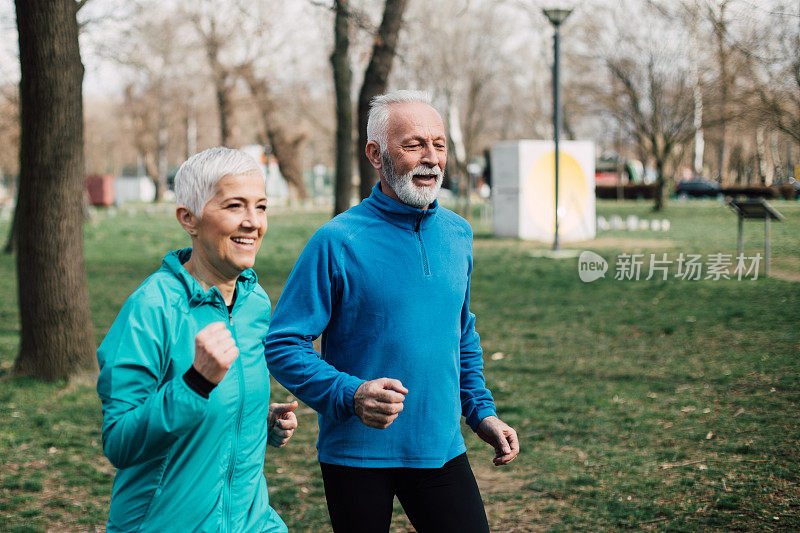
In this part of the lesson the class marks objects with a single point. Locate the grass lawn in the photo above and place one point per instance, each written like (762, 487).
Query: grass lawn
(659, 405)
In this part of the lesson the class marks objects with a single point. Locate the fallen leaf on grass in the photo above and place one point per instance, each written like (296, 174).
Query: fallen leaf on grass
(496, 356)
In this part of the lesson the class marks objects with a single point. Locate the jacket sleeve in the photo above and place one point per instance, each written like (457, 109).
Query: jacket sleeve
(141, 416)
(476, 400)
(301, 315)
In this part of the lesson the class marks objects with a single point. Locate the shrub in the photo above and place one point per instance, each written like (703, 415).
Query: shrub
(630, 191)
(752, 191)
(788, 191)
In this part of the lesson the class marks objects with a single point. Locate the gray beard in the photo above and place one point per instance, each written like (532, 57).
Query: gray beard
(403, 186)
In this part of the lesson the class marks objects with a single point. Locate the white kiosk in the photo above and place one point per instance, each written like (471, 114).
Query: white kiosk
(523, 190)
(277, 189)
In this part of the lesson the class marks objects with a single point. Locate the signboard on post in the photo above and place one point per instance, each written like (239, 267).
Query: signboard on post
(757, 208)
(523, 190)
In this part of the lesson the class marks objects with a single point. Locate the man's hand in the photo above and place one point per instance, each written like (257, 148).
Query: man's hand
(502, 437)
(214, 352)
(378, 402)
(281, 422)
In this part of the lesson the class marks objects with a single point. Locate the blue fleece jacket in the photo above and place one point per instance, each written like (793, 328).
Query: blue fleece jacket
(387, 287)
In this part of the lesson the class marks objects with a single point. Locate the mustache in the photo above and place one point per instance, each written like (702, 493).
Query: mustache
(419, 170)
(423, 170)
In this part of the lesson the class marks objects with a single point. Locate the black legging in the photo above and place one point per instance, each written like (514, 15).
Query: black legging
(436, 500)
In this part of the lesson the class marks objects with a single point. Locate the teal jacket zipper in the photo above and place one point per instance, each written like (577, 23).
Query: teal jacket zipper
(226, 518)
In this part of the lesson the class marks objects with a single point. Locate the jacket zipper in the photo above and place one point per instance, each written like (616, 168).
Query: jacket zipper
(226, 518)
(426, 269)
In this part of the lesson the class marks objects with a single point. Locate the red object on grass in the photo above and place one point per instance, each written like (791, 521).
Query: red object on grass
(100, 188)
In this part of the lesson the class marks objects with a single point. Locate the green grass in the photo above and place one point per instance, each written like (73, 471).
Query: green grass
(667, 405)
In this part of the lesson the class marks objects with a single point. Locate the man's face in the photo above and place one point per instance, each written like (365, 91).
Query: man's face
(416, 154)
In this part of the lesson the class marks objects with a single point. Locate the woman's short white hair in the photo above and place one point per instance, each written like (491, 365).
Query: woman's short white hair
(196, 180)
(379, 108)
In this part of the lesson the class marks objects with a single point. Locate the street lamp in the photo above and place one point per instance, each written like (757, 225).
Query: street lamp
(556, 18)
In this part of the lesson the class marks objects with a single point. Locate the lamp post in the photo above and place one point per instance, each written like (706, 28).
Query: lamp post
(556, 18)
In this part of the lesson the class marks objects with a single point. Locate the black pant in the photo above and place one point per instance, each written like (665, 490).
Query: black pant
(436, 500)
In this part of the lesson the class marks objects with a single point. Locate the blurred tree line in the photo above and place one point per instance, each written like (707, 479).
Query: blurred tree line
(655, 80)
(708, 85)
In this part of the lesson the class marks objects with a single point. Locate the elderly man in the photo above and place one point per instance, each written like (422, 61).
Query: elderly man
(386, 284)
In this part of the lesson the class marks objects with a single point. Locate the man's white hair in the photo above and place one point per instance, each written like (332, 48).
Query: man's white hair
(196, 180)
(380, 107)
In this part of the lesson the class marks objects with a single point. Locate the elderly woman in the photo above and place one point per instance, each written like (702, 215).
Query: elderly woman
(183, 380)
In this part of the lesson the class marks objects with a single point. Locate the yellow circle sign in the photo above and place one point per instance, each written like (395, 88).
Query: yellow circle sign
(572, 192)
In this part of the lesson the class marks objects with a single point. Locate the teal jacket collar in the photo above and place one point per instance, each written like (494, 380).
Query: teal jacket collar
(173, 262)
(398, 213)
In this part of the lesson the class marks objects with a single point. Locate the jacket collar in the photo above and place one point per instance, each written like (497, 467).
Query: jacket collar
(173, 263)
(398, 213)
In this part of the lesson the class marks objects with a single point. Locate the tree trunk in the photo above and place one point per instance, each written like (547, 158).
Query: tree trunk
(376, 80)
(160, 177)
(11, 241)
(150, 168)
(286, 150)
(221, 77)
(662, 187)
(57, 336)
(761, 154)
(191, 129)
(224, 109)
(724, 155)
(726, 83)
(342, 81)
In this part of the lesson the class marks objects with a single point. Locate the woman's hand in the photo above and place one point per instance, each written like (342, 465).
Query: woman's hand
(281, 423)
(214, 352)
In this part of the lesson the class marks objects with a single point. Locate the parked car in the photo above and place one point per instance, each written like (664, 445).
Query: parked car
(698, 187)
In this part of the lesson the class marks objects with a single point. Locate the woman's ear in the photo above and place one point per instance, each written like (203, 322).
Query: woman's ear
(187, 220)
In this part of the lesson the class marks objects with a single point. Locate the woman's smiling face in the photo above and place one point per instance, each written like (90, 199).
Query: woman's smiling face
(233, 223)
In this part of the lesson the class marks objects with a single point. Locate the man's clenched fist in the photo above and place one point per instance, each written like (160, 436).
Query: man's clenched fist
(214, 351)
(378, 402)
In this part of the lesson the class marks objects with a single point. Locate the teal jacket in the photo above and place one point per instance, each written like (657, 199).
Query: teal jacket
(185, 462)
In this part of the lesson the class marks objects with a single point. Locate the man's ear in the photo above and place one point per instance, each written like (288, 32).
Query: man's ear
(187, 220)
(373, 152)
